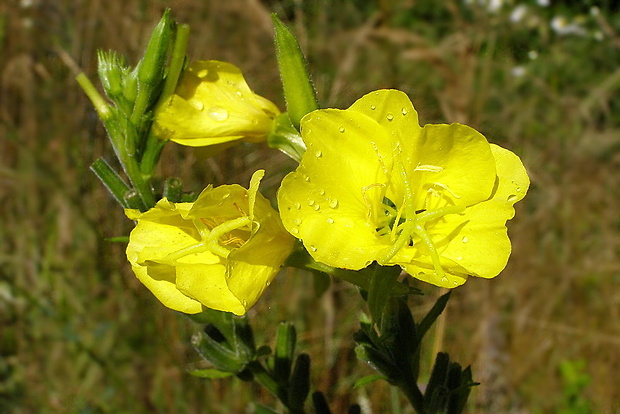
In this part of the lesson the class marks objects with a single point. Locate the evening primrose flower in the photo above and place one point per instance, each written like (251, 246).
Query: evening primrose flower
(375, 186)
(219, 252)
(214, 105)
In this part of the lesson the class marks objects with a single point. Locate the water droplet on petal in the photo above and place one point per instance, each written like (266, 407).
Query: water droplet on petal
(321, 192)
(298, 206)
(202, 73)
(318, 153)
(455, 283)
(295, 230)
(373, 107)
(390, 117)
(197, 105)
(244, 303)
(404, 111)
(512, 197)
(313, 248)
(459, 258)
(316, 207)
(306, 178)
(217, 113)
(464, 239)
(267, 283)
(518, 189)
(330, 220)
(297, 221)
(333, 203)
(341, 129)
(310, 202)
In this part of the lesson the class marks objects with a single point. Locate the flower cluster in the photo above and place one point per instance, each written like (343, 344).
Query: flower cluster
(373, 186)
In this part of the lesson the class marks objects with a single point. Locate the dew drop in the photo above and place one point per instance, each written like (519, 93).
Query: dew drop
(512, 197)
(313, 248)
(459, 258)
(333, 203)
(306, 178)
(404, 111)
(455, 283)
(318, 153)
(341, 129)
(244, 303)
(197, 105)
(316, 207)
(202, 73)
(298, 206)
(321, 192)
(295, 230)
(373, 107)
(267, 283)
(297, 221)
(390, 117)
(330, 220)
(310, 202)
(217, 113)
(464, 239)
(518, 189)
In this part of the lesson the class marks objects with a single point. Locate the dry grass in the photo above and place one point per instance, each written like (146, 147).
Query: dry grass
(80, 334)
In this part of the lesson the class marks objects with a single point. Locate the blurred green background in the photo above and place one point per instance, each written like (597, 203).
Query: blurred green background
(78, 332)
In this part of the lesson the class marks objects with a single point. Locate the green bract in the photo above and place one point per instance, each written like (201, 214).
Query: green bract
(375, 186)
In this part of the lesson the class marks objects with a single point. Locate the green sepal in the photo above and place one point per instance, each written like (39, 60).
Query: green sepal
(286, 339)
(150, 69)
(299, 383)
(298, 90)
(217, 353)
(448, 387)
(286, 138)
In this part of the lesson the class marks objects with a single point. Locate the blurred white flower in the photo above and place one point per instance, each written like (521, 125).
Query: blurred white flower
(518, 13)
(518, 71)
(543, 3)
(532, 54)
(562, 26)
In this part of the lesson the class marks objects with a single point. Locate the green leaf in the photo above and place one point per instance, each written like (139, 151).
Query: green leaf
(112, 181)
(368, 379)
(218, 354)
(298, 90)
(210, 373)
(433, 314)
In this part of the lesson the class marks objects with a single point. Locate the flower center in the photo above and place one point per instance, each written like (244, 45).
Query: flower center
(406, 226)
(217, 236)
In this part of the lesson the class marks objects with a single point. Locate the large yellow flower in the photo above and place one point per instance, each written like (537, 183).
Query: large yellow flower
(213, 105)
(220, 251)
(375, 186)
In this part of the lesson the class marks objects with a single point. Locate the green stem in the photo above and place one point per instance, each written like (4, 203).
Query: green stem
(265, 379)
(414, 395)
(99, 103)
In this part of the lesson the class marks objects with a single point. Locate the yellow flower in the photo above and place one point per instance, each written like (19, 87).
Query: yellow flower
(220, 251)
(213, 105)
(375, 186)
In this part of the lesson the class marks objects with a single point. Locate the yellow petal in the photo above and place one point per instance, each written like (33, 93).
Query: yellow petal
(453, 163)
(327, 202)
(161, 281)
(212, 105)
